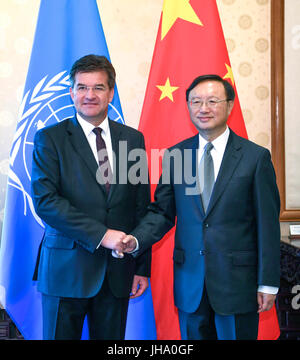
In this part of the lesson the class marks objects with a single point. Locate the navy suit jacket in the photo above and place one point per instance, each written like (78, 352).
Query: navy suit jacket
(77, 212)
(234, 247)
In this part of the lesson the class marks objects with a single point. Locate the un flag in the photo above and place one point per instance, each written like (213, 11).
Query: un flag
(66, 30)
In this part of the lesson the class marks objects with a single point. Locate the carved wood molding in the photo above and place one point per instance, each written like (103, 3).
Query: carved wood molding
(277, 105)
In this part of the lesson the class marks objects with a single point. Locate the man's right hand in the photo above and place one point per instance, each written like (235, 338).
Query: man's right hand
(129, 243)
(113, 239)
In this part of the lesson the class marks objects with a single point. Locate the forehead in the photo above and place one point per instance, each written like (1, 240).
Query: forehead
(91, 78)
(208, 88)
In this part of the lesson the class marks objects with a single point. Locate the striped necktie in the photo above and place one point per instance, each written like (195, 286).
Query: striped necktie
(104, 164)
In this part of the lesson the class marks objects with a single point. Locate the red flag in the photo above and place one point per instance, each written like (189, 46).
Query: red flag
(268, 327)
(190, 42)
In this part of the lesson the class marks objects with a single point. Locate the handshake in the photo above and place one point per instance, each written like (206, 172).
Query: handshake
(119, 242)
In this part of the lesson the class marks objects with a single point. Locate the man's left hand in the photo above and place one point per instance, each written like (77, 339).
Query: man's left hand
(265, 301)
(139, 285)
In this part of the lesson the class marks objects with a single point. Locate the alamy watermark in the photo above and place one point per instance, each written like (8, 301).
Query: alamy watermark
(135, 167)
(296, 299)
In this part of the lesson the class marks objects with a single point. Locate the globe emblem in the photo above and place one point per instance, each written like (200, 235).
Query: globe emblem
(49, 102)
(55, 110)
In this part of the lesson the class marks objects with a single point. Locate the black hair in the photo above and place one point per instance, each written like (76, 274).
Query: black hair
(229, 90)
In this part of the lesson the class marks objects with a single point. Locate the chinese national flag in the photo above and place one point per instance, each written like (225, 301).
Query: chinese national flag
(190, 42)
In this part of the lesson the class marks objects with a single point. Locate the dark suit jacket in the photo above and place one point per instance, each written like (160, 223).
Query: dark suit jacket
(77, 212)
(234, 247)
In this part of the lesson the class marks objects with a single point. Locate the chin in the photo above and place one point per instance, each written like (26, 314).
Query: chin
(90, 114)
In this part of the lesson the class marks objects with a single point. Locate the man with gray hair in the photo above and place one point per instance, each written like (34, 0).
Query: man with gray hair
(84, 212)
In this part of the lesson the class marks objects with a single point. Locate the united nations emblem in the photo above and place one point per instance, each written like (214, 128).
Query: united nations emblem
(47, 103)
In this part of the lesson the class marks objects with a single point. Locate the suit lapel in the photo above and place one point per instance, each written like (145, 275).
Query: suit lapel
(194, 145)
(82, 147)
(115, 134)
(231, 158)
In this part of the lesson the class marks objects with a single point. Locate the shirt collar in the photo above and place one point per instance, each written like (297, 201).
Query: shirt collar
(219, 143)
(88, 127)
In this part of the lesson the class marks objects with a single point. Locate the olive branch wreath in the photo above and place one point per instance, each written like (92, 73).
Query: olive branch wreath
(44, 90)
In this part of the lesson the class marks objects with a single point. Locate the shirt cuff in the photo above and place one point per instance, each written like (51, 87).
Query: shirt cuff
(268, 289)
(100, 242)
(136, 247)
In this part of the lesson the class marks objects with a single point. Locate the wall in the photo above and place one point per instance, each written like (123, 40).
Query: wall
(292, 91)
(130, 27)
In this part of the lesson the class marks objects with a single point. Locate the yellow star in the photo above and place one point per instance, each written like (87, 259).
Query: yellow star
(174, 9)
(167, 90)
(229, 74)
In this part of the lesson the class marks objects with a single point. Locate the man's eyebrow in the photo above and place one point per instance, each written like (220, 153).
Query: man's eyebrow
(80, 84)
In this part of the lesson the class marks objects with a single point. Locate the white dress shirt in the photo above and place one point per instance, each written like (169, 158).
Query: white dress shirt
(218, 150)
(91, 138)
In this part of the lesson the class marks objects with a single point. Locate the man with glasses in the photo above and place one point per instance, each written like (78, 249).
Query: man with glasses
(77, 193)
(226, 255)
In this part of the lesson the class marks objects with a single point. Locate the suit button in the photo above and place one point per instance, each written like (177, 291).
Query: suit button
(201, 252)
(206, 225)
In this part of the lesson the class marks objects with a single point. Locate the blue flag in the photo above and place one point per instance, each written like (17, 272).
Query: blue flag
(66, 30)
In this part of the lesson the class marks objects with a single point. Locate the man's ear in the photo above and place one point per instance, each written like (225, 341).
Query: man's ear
(230, 106)
(112, 92)
(71, 93)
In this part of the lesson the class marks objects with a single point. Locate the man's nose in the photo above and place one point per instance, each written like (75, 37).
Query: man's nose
(90, 92)
(204, 107)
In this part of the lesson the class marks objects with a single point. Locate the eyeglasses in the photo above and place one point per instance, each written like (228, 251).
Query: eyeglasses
(198, 103)
(83, 89)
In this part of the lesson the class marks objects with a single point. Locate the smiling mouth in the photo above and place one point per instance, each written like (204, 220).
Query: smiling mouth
(205, 118)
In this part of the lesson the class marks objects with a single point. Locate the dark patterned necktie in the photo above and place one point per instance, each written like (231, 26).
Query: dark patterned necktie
(104, 164)
(207, 175)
